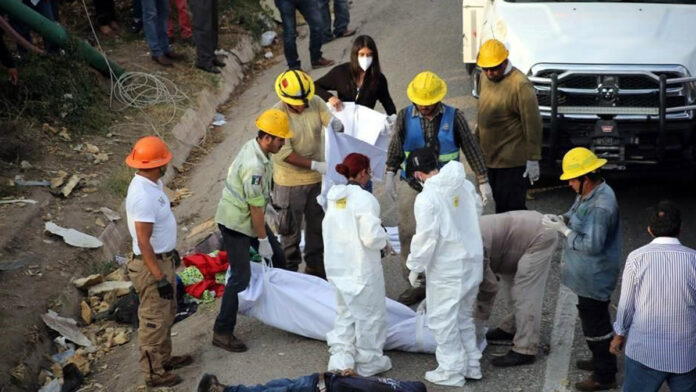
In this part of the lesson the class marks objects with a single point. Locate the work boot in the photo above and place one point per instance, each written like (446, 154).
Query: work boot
(163, 60)
(229, 342)
(585, 364)
(165, 380)
(177, 361)
(590, 385)
(412, 295)
(513, 358)
(318, 271)
(322, 62)
(174, 56)
(210, 383)
(499, 337)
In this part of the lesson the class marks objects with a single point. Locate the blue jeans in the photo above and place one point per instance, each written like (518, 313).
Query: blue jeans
(302, 384)
(640, 378)
(310, 11)
(155, 18)
(341, 18)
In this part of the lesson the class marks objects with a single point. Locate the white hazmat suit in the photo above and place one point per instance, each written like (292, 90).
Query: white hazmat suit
(353, 238)
(447, 246)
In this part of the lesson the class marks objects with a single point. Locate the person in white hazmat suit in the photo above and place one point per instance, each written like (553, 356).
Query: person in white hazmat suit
(447, 246)
(353, 238)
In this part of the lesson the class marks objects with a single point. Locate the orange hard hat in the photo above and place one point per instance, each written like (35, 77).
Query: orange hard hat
(148, 153)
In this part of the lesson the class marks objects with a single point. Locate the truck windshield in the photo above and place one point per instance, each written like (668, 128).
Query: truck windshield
(692, 2)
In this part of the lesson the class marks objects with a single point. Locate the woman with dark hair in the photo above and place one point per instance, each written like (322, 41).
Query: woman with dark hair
(360, 80)
(353, 238)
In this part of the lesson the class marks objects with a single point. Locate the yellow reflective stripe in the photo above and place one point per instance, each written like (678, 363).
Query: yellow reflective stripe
(448, 157)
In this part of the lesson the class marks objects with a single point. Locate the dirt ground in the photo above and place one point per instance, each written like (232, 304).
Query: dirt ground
(33, 151)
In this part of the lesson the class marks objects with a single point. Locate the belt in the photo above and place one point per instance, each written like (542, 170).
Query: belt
(321, 383)
(164, 255)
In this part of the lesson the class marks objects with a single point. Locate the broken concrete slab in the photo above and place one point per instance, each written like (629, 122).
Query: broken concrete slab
(120, 288)
(73, 237)
(70, 185)
(59, 179)
(88, 281)
(118, 275)
(110, 214)
(66, 327)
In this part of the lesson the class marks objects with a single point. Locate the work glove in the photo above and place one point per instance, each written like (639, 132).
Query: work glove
(165, 289)
(336, 125)
(265, 249)
(414, 279)
(391, 120)
(319, 167)
(532, 171)
(486, 193)
(556, 223)
(390, 186)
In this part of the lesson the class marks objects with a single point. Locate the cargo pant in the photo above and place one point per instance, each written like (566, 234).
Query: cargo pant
(155, 314)
(407, 221)
(523, 293)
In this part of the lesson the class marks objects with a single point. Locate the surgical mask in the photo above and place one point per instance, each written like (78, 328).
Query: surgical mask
(365, 62)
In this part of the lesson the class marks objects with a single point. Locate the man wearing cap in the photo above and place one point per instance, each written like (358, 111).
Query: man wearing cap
(152, 226)
(427, 122)
(509, 127)
(240, 217)
(299, 166)
(591, 259)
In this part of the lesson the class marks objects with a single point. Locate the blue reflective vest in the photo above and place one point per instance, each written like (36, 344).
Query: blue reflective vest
(414, 139)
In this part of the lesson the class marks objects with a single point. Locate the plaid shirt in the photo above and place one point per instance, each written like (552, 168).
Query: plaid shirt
(462, 137)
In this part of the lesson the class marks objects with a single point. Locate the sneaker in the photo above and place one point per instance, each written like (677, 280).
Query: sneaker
(177, 361)
(443, 377)
(513, 358)
(585, 364)
(590, 385)
(322, 62)
(412, 295)
(210, 383)
(499, 337)
(229, 342)
(165, 380)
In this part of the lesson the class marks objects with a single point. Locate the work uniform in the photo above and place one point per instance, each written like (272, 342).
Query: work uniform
(591, 264)
(248, 183)
(509, 131)
(297, 188)
(147, 202)
(353, 238)
(446, 133)
(518, 249)
(447, 246)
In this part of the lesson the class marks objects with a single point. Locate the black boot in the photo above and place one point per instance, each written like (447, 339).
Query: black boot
(499, 337)
(513, 358)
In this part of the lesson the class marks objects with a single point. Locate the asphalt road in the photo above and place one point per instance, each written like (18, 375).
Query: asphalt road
(412, 36)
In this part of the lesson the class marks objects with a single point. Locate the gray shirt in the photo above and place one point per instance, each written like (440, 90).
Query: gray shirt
(506, 237)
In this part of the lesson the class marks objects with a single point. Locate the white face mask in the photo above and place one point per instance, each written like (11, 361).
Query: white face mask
(365, 62)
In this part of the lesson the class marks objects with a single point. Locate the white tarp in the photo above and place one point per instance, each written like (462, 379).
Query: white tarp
(305, 305)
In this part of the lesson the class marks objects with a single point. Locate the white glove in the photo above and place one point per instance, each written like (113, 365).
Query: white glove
(532, 171)
(265, 249)
(486, 193)
(336, 125)
(390, 186)
(391, 119)
(414, 279)
(555, 223)
(319, 167)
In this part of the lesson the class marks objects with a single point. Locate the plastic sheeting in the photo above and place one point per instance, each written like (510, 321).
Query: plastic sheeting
(305, 305)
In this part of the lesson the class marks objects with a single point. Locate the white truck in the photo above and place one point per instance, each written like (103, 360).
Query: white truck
(617, 77)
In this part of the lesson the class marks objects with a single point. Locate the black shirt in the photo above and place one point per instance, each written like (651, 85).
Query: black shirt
(339, 79)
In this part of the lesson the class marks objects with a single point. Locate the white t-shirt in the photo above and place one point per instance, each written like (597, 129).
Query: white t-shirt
(147, 202)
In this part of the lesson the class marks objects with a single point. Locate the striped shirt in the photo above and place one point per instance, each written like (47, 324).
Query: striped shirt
(657, 309)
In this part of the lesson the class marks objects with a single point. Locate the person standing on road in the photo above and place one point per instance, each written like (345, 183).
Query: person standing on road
(657, 309)
(299, 166)
(152, 227)
(340, 23)
(240, 217)
(518, 249)
(353, 239)
(447, 247)
(310, 11)
(509, 127)
(427, 122)
(360, 80)
(591, 259)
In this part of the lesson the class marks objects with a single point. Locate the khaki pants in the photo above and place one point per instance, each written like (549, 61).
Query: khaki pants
(155, 314)
(407, 221)
(523, 293)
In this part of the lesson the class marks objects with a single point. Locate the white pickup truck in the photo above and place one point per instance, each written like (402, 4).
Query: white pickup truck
(617, 77)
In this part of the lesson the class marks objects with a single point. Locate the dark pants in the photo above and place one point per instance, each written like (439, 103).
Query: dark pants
(105, 11)
(310, 11)
(640, 378)
(596, 326)
(509, 188)
(205, 30)
(341, 18)
(334, 383)
(237, 246)
(137, 11)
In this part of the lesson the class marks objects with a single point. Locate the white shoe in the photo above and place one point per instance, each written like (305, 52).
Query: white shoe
(443, 377)
(474, 373)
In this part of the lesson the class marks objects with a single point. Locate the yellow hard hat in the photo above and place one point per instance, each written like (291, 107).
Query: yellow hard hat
(491, 54)
(294, 87)
(274, 122)
(580, 161)
(426, 89)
